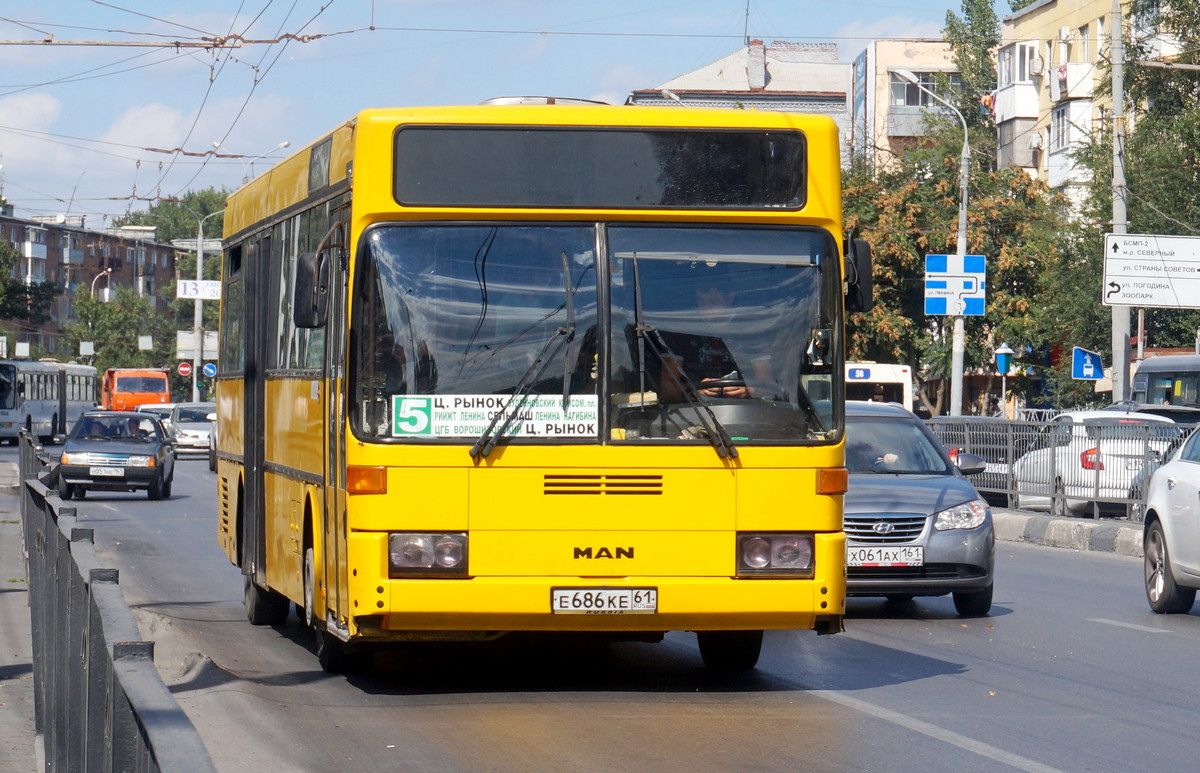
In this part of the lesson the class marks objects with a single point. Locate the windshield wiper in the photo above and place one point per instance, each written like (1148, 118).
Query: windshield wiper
(716, 433)
(570, 295)
(487, 441)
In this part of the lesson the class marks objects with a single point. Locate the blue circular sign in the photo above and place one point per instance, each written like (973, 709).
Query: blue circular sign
(210, 369)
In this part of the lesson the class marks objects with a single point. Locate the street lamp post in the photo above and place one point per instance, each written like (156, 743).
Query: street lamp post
(959, 342)
(106, 272)
(198, 316)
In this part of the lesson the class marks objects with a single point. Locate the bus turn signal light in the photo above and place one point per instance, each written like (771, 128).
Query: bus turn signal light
(366, 480)
(832, 481)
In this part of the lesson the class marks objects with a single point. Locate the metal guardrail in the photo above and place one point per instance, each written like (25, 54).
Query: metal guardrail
(99, 702)
(1067, 469)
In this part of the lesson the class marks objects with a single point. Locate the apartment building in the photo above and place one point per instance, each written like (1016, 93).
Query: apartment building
(781, 76)
(887, 110)
(64, 251)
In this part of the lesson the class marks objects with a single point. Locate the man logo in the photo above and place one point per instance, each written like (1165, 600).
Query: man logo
(603, 553)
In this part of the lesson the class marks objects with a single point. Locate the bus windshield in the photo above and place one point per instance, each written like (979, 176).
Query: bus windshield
(142, 384)
(8, 384)
(710, 330)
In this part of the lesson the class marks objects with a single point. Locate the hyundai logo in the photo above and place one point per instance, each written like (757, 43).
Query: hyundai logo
(883, 527)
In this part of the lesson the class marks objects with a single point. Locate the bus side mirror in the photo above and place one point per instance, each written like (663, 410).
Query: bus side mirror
(310, 299)
(859, 290)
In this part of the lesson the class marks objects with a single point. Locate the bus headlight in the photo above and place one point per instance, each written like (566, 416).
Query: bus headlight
(425, 553)
(769, 554)
(968, 515)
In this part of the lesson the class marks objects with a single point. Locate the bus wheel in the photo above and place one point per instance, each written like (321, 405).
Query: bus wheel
(335, 656)
(263, 606)
(730, 650)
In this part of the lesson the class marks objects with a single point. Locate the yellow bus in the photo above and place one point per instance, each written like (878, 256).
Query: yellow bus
(540, 368)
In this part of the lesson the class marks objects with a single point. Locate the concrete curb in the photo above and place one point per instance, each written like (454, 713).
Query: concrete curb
(1120, 537)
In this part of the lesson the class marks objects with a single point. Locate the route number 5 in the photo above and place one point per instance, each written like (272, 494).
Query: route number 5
(411, 415)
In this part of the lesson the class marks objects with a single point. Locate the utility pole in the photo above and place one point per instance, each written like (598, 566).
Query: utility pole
(1120, 314)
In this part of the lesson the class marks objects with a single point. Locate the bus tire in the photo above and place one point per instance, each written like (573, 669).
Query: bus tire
(337, 657)
(308, 613)
(730, 650)
(264, 606)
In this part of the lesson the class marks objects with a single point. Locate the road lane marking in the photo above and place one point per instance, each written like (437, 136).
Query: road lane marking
(940, 733)
(1134, 626)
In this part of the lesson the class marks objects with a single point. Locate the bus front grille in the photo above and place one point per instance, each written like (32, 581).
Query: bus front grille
(602, 485)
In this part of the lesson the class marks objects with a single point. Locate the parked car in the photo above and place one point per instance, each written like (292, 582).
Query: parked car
(1171, 531)
(161, 410)
(999, 441)
(117, 451)
(1090, 456)
(915, 526)
(191, 427)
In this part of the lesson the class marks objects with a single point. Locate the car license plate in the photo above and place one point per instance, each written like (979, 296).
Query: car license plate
(106, 472)
(911, 555)
(604, 601)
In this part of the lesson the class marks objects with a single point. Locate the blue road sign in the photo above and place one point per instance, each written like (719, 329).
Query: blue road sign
(1085, 365)
(210, 369)
(955, 285)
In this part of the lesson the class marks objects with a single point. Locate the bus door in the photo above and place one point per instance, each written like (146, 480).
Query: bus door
(333, 523)
(256, 269)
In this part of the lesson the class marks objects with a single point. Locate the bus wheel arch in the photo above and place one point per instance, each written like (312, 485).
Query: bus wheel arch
(310, 612)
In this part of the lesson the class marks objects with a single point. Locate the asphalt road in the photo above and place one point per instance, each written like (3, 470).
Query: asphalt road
(1070, 672)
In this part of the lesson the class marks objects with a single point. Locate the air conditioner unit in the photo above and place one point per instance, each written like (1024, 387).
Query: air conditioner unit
(1035, 141)
(1065, 35)
(1037, 66)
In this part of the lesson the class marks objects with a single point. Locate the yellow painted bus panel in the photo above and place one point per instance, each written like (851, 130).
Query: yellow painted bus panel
(771, 497)
(294, 424)
(284, 534)
(606, 498)
(417, 498)
(523, 603)
(603, 553)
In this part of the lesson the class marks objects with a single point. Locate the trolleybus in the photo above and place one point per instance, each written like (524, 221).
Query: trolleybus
(43, 397)
(541, 368)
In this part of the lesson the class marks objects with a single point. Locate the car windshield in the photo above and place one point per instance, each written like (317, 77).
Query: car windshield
(198, 414)
(115, 428)
(882, 445)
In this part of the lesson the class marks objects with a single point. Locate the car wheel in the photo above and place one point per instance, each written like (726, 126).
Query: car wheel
(80, 492)
(155, 491)
(65, 490)
(166, 489)
(212, 461)
(730, 650)
(265, 607)
(975, 603)
(1164, 595)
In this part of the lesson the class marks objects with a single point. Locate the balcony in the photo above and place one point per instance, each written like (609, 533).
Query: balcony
(1073, 80)
(1016, 100)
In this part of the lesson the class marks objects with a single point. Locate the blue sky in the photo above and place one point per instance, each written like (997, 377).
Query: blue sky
(82, 127)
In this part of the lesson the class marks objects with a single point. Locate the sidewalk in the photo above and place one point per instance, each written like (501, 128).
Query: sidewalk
(17, 747)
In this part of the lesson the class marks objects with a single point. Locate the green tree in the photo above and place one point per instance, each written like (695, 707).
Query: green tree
(114, 329)
(19, 302)
(179, 219)
(973, 38)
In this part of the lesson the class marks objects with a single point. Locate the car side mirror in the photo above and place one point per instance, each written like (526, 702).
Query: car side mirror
(969, 464)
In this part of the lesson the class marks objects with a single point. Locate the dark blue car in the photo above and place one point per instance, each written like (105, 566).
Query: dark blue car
(117, 451)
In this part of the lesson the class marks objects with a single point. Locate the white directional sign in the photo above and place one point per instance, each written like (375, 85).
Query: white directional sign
(198, 290)
(1158, 271)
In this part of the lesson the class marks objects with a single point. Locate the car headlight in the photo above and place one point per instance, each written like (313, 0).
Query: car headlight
(968, 515)
(425, 553)
(140, 461)
(774, 554)
(75, 458)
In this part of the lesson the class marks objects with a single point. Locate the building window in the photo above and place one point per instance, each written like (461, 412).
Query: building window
(1059, 128)
(1015, 63)
(1085, 47)
(905, 94)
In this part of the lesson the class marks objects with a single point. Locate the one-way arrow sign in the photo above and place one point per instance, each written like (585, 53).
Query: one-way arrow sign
(1157, 271)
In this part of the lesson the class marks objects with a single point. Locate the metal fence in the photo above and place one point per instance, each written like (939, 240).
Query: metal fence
(1090, 468)
(99, 702)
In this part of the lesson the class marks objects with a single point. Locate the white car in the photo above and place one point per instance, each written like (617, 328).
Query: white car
(1090, 456)
(1171, 532)
(191, 427)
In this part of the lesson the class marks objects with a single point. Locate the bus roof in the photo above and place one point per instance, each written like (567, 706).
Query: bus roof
(1165, 362)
